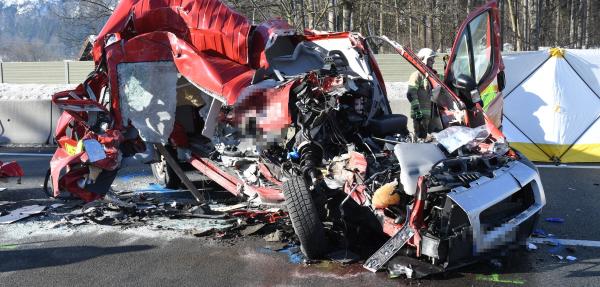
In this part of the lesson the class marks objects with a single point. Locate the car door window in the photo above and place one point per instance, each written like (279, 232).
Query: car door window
(462, 62)
(474, 51)
(482, 48)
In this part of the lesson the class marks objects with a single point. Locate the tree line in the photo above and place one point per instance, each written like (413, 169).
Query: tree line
(525, 24)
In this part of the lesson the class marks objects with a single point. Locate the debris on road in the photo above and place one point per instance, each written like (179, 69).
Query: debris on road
(496, 279)
(11, 169)
(8, 246)
(343, 256)
(230, 207)
(539, 233)
(276, 236)
(411, 268)
(555, 220)
(252, 229)
(21, 213)
(531, 246)
(495, 263)
(571, 258)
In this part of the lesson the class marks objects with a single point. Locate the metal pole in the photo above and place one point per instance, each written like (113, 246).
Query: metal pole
(177, 169)
(67, 72)
(1, 73)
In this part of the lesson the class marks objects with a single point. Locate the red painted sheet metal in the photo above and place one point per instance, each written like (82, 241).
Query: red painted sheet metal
(264, 171)
(60, 161)
(234, 184)
(491, 6)
(11, 169)
(267, 194)
(70, 180)
(62, 124)
(389, 226)
(228, 182)
(206, 25)
(416, 219)
(314, 35)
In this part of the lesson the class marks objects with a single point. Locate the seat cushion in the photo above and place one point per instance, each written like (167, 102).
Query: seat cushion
(222, 76)
(388, 125)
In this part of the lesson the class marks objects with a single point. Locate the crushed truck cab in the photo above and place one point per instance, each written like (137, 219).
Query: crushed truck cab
(302, 119)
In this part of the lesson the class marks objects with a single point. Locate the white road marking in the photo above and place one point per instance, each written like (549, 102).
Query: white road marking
(568, 242)
(25, 154)
(568, 166)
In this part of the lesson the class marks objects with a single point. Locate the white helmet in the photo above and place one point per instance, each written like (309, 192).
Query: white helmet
(425, 54)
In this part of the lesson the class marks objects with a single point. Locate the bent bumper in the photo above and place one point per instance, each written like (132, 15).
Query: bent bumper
(485, 193)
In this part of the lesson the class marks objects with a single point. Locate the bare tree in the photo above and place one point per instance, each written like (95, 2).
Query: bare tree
(81, 18)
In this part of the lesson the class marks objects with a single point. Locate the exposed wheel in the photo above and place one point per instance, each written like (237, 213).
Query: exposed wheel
(305, 218)
(164, 174)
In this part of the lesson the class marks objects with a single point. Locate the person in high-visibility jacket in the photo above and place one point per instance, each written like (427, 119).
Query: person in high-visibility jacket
(419, 95)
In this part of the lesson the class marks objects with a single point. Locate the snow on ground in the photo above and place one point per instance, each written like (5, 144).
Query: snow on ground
(30, 92)
(160, 227)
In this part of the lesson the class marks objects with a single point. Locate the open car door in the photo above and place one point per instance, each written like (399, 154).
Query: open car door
(475, 65)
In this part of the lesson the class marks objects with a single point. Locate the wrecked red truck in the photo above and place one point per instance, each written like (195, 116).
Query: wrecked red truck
(278, 116)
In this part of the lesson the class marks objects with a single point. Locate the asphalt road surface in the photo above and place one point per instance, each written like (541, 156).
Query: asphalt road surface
(30, 256)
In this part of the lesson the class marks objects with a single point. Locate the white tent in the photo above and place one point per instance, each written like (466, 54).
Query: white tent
(552, 104)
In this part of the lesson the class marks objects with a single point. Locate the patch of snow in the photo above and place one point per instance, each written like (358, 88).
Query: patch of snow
(30, 92)
(161, 227)
(26, 6)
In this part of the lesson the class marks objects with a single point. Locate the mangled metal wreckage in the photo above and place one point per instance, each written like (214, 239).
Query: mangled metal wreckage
(274, 115)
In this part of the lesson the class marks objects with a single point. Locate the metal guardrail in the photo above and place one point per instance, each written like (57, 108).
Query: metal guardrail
(393, 67)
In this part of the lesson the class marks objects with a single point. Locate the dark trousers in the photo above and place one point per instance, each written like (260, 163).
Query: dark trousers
(421, 127)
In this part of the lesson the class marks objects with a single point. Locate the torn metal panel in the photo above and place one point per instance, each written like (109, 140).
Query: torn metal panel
(11, 169)
(21, 213)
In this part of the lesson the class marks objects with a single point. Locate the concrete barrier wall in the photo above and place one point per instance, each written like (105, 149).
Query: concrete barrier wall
(25, 122)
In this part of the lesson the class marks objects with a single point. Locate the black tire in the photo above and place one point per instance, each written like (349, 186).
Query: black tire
(164, 174)
(305, 218)
(48, 186)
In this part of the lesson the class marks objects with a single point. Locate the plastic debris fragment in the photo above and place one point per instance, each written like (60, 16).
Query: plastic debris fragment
(555, 220)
